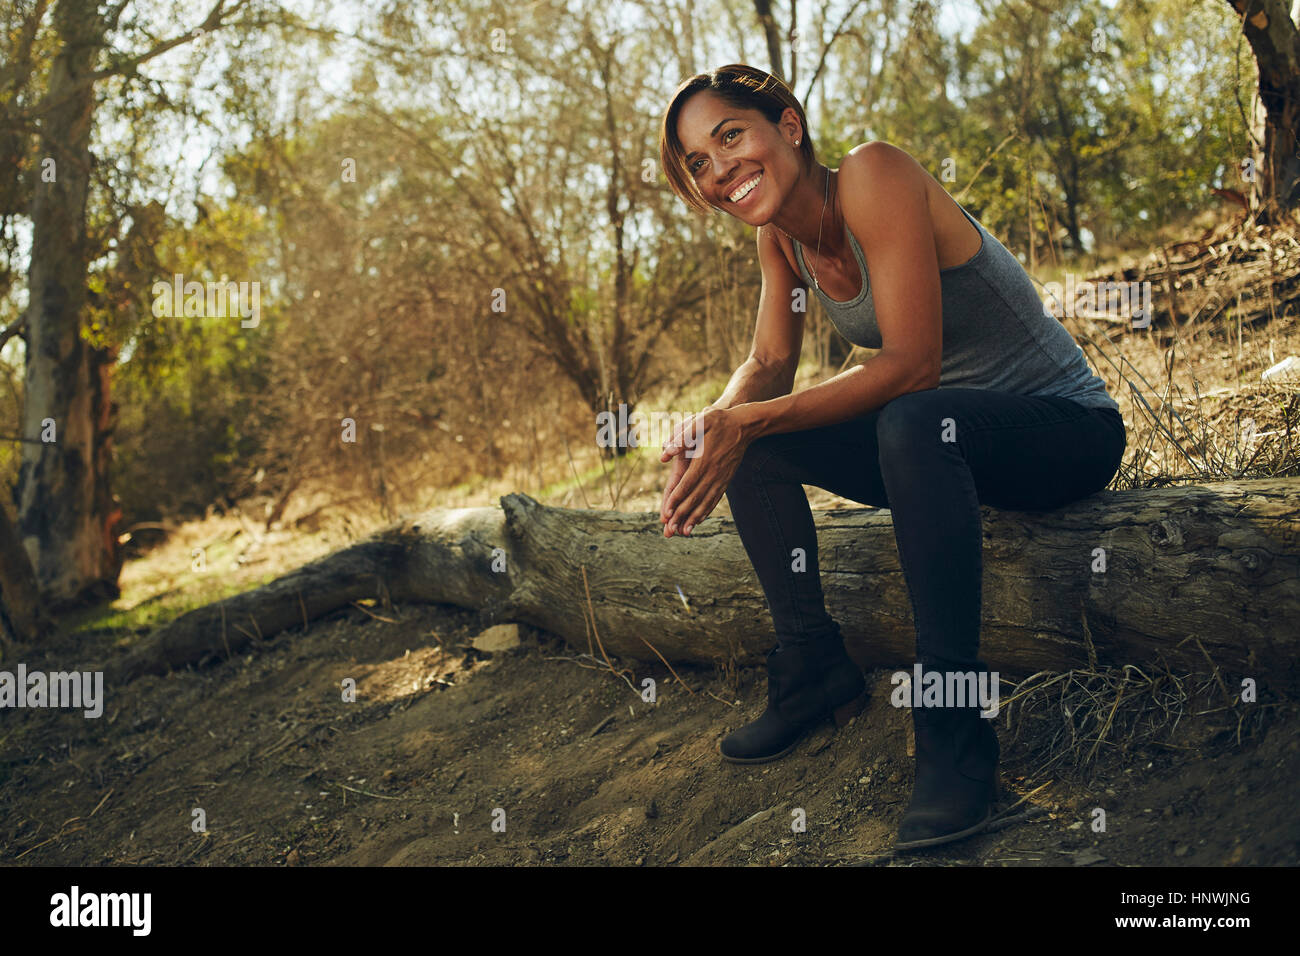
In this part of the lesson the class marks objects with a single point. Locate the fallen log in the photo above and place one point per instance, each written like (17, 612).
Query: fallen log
(1185, 576)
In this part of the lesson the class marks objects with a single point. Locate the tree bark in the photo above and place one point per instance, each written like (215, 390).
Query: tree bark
(63, 479)
(22, 618)
(67, 515)
(1178, 575)
(1271, 30)
(772, 36)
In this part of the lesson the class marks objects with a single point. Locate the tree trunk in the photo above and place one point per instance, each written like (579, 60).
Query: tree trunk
(65, 515)
(772, 36)
(22, 618)
(1271, 30)
(1176, 574)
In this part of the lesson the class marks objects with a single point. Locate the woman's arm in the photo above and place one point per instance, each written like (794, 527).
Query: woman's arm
(753, 381)
(768, 372)
(885, 206)
(778, 335)
(853, 392)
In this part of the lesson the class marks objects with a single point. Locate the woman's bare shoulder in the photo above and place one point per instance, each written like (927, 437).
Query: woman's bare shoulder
(859, 162)
(770, 236)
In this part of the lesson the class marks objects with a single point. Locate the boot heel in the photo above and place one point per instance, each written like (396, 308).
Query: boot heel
(846, 712)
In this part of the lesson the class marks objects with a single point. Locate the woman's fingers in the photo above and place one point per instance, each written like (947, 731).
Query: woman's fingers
(679, 468)
(707, 502)
(677, 441)
(673, 507)
(680, 500)
(690, 511)
(683, 490)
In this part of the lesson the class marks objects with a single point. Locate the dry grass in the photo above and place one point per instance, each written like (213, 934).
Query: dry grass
(1076, 718)
(1190, 386)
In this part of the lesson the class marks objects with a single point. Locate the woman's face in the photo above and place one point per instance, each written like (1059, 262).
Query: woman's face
(742, 163)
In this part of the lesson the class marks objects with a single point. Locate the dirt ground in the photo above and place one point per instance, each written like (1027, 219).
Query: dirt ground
(533, 755)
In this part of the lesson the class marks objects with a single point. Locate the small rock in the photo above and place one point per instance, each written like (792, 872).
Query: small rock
(293, 859)
(1181, 850)
(503, 637)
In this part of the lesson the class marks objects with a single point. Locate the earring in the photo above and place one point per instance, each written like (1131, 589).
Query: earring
(796, 142)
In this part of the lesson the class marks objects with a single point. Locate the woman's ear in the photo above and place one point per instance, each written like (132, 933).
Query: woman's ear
(790, 123)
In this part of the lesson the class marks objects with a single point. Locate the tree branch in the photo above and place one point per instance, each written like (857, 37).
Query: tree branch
(14, 328)
(213, 22)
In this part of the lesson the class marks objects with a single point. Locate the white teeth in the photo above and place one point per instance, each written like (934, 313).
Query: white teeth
(745, 189)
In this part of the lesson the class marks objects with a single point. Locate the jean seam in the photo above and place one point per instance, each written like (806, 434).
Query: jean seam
(978, 428)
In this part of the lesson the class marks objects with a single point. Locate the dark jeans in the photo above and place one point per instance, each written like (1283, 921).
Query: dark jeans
(932, 458)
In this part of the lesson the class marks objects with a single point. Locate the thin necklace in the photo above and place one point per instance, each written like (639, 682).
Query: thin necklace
(825, 193)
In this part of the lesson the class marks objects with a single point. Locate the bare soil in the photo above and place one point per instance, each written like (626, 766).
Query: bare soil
(451, 755)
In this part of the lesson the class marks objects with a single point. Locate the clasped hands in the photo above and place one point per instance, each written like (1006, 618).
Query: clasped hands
(700, 474)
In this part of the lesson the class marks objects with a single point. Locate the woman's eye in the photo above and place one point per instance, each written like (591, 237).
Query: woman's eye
(695, 166)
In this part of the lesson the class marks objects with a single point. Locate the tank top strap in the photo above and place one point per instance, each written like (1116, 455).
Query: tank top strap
(798, 258)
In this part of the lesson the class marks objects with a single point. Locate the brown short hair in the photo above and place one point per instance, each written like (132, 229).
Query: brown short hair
(740, 86)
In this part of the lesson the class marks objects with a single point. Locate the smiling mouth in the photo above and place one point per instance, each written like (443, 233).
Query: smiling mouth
(745, 188)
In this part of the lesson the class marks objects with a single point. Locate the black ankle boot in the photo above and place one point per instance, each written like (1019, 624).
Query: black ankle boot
(806, 684)
(956, 784)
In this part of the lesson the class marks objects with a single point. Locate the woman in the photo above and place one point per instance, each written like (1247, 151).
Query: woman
(977, 395)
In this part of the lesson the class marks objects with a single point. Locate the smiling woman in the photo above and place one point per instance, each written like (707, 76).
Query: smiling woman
(747, 91)
(977, 395)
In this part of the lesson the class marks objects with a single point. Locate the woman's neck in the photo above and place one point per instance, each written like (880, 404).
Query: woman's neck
(815, 222)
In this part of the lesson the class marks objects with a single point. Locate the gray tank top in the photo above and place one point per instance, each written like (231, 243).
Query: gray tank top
(997, 334)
